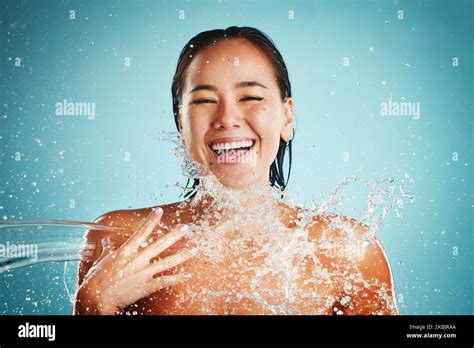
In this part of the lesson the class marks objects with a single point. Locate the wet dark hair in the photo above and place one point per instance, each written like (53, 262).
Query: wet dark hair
(266, 45)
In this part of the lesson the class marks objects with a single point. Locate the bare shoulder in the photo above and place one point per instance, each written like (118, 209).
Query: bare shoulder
(349, 248)
(344, 240)
(128, 220)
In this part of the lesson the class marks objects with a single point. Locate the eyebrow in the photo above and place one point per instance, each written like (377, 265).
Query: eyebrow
(237, 85)
(249, 84)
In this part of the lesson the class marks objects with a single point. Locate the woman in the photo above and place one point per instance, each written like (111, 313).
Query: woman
(232, 247)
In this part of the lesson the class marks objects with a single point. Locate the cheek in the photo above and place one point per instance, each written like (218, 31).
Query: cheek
(266, 123)
(193, 130)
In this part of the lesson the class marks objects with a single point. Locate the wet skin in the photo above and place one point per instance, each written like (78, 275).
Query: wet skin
(226, 102)
(177, 299)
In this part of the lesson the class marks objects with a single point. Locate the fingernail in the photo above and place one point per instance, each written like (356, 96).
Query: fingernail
(107, 242)
(158, 211)
(187, 275)
(184, 228)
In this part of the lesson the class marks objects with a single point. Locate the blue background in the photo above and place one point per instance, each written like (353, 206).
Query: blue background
(337, 106)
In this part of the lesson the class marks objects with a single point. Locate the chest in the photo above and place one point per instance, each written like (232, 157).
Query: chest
(251, 282)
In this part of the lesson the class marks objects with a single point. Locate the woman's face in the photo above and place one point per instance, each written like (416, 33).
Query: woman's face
(232, 116)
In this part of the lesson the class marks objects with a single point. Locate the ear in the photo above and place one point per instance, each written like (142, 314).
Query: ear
(288, 120)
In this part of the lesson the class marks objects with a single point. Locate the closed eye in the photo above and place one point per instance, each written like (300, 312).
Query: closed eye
(250, 98)
(203, 101)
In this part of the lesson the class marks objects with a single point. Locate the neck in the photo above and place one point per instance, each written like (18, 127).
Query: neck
(258, 196)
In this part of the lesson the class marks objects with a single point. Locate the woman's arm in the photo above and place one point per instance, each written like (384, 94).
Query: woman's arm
(95, 241)
(357, 266)
(96, 244)
(372, 291)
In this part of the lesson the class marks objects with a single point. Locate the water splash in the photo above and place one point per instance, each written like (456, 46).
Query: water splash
(282, 258)
(236, 222)
(26, 243)
(189, 168)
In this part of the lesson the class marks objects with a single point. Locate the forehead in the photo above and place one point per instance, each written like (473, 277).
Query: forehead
(228, 62)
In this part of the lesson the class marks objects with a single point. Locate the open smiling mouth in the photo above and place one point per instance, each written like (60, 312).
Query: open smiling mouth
(231, 152)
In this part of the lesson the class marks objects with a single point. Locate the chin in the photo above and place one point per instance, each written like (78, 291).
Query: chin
(237, 178)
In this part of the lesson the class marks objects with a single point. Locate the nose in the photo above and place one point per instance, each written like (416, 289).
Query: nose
(228, 115)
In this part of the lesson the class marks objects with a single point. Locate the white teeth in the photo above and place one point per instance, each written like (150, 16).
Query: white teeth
(231, 145)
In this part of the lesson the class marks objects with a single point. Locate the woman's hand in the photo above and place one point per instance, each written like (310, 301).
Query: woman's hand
(121, 277)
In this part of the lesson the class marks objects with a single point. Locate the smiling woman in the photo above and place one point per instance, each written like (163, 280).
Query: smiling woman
(251, 83)
(232, 246)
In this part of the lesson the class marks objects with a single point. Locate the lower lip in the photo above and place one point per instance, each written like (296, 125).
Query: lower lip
(233, 157)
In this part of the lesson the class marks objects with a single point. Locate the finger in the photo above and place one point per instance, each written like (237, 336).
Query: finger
(107, 249)
(163, 243)
(87, 252)
(143, 232)
(169, 280)
(169, 262)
